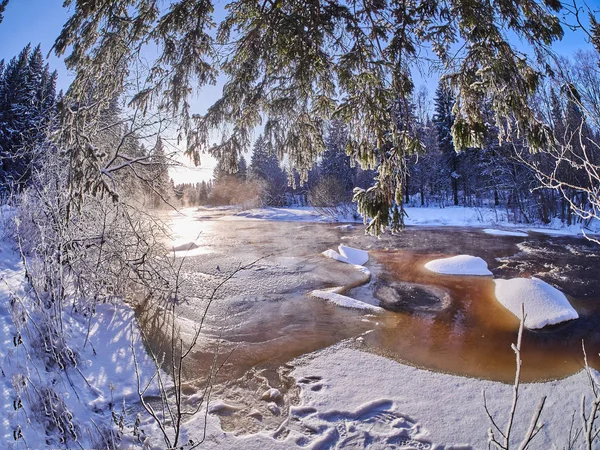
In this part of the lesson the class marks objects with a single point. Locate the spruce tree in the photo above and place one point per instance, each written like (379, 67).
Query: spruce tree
(27, 114)
(242, 172)
(265, 168)
(335, 163)
(444, 120)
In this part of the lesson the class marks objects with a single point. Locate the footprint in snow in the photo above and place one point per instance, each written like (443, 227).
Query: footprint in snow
(375, 425)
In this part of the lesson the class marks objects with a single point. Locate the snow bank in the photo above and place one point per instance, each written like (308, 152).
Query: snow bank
(452, 216)
(346, 302)
(300, 214)
(495, 232)
(544, 304)
(105, 378)
(459, 265)
(415, 408)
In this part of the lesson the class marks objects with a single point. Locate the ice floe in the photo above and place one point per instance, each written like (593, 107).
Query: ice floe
(544, 304)
(344, 301)
(459, 265)
(348, 255)
(354, 255)
(495, 232)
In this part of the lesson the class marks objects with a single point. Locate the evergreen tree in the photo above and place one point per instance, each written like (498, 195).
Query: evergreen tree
(161, 183)
(242, 172)
(335, 163)
(3, 4)
(444, 121)
(265, 168)
(27, 112)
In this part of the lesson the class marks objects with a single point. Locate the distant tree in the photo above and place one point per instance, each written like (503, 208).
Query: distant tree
(27, 112)
(265, 168)
(160, 181)
(444, 121)
(335, 163)
(242, 172)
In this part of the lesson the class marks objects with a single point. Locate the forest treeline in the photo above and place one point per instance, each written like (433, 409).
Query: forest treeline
(499, 175)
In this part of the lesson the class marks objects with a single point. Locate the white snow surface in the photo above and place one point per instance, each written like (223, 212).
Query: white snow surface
(344, 301)
(453, 216)
(348, 255)
(105, 373)
(495, 232)
(459, 265)
(544, 304)
(354, 399)
(335, 255)
(354, 255)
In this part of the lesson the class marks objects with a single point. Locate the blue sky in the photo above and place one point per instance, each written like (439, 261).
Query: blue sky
(35, 21)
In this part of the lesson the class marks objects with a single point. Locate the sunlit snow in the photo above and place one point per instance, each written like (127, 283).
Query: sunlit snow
(459, 265)
(544, 304)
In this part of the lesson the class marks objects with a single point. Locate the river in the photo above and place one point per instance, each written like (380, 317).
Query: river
(264, 316)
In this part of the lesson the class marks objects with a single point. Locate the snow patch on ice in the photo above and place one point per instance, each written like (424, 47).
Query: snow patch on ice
(221, 408)
(495, 232)
(459, 265)
(344, 301)
(335, 255)
(354, 255)
(348, 255)
(544, 304)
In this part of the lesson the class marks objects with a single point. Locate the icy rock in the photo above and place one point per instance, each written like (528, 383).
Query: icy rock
(354, 255)
(271, 395)
(459, 265)
(544, 304)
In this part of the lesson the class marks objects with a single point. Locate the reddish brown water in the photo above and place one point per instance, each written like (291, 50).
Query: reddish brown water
(473, 335)
(264, 317)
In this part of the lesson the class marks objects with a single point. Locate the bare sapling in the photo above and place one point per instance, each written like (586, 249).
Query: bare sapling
(502, 439)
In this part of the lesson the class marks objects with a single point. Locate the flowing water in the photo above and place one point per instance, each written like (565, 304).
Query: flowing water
(264, 316)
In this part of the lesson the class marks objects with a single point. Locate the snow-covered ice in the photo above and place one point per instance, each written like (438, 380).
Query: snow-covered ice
(459, 265)
(544, 304)
(495, 232)
(344, 301)
(354, 255)
(348, 255)
(335, 255)
(452, 216)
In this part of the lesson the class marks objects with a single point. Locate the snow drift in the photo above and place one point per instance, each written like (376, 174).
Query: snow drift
(544, 304)
(459, 265)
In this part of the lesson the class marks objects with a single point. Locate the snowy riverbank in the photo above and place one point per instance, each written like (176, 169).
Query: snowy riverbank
(452, 216)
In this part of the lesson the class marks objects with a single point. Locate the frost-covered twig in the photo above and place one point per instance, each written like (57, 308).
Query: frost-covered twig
(534, 427)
